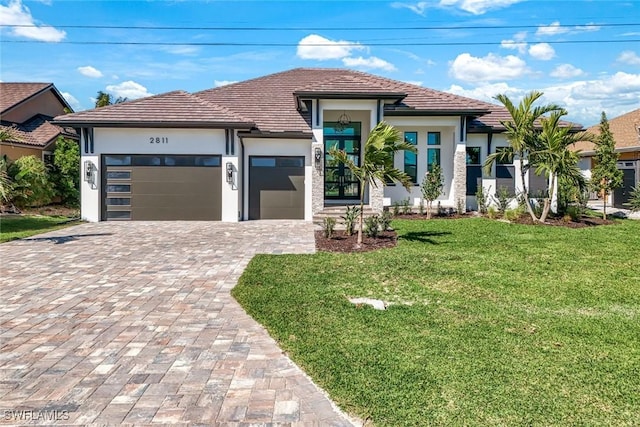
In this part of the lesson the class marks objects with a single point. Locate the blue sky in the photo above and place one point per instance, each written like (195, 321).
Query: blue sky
(584, 55)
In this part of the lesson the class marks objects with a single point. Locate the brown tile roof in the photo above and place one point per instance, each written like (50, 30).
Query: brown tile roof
(12, 94)
(270, 101)
(625, 130)
(176, 108)
(37, 132)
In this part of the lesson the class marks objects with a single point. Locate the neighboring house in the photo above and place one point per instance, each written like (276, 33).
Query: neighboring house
(626, 134)
(258, 149)
(26, 111)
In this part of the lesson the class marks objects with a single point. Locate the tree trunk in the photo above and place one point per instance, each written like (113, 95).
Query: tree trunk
(605, 196)
(525, 193)
(359, 241)
(429, 205)
(547, 201)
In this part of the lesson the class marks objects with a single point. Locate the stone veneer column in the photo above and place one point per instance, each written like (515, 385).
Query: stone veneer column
(317, 179)
(376, 197)
(460, 176)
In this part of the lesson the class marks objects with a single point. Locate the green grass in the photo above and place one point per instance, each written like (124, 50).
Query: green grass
(492, 323)
(18, 227)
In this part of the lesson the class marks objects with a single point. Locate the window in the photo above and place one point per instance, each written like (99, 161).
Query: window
(507, 158)
(433, 154)
(411, 159)
(473, 155)
(117, 160)
(118, 175)
(118, 188)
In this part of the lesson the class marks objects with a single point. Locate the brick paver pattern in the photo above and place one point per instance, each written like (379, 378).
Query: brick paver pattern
(132, 323)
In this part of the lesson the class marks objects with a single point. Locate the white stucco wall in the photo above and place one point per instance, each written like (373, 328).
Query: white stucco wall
(279, 147)
(449, 135)
(137, 141)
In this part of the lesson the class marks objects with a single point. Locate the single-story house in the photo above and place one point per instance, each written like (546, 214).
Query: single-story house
(258, 149)
(26, 112)
(626, 134)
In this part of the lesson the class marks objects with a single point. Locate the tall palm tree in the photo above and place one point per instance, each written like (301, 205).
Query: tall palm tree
(553, 158)
(376, 166)
(520, 132)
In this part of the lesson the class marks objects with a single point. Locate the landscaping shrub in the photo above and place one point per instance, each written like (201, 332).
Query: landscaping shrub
(634, 201)
(502, 199)
(372, 226)
(492, 212)
(481, 197)
(328, 225)
(385, 221)
(351, 219)
(31, 183)
(406, 206)
(66, 171)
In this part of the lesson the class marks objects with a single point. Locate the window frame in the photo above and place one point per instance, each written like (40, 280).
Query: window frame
(414, 164)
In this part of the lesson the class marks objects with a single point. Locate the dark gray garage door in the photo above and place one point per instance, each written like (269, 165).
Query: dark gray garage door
(137, 187)
(622, 195)
(276, 187)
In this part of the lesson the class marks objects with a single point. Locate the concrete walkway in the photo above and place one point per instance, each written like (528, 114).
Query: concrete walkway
(133, 323)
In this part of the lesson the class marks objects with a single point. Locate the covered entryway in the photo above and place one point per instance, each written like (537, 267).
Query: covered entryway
(276, 187)
(161, 187)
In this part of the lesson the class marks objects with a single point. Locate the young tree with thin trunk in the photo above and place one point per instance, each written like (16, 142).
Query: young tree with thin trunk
(376, 163)
(432, 186)
(521, 134)
(605, 175)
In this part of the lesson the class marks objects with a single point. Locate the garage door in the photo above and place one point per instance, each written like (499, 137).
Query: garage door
(622, 195)
(276, 187)
(168, 187)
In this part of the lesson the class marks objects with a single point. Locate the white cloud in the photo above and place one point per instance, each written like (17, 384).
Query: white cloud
(629, 57)
(542, 51)
(590, 27)
(584, 99)
(490, 68)
(551, 30)
(129, 90)
(317, 47)
(478, 7)
(414, 82)
(487, 92)
(218, 83)
(75, 104)
(15, 13)
(89, 71)
(182, 50)
(566, 71)
(368, 63)
(420, 8)
(517, 42)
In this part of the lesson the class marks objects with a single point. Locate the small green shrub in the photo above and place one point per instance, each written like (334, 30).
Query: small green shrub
(396, 208)
(351, 219)
(385, 221)
(574, 213)
(502, 198)
(66, 171)
(634, 201)
(512, 214)
(421, 207)
(492, 212)
(372, 226)
(406, 206)
(481, 197)
(328, 225)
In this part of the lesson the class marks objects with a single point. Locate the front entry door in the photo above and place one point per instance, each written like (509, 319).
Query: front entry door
(339, 181)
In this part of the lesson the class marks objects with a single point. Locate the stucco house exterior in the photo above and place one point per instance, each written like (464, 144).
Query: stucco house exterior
(257, 149)
(626, 134)
(26, 112)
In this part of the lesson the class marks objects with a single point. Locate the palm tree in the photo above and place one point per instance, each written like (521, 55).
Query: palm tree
(553, 157)
(520, 132)
(103, 99)
(377, 162)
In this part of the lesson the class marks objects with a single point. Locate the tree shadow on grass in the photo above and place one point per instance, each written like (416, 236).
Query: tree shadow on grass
(424, 236)
(58, 240)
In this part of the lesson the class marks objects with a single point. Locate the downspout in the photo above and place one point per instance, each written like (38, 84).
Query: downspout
(241, 214)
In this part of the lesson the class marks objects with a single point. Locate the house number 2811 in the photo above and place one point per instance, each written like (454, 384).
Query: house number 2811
(159, 140)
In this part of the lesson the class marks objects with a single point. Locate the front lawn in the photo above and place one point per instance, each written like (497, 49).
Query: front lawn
(18, 227)
(490, 323)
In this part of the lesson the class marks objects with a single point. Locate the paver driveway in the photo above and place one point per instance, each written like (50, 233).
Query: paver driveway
(117, 323)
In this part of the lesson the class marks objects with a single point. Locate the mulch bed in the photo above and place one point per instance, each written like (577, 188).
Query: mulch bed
(340, 242)
(559, 222)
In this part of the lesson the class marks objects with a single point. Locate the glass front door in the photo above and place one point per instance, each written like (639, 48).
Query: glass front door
(339, 182)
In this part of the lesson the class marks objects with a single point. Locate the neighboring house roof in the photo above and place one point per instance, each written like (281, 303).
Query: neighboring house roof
(625, 130)
(14, 94)
(37, 132)
(170, 109)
